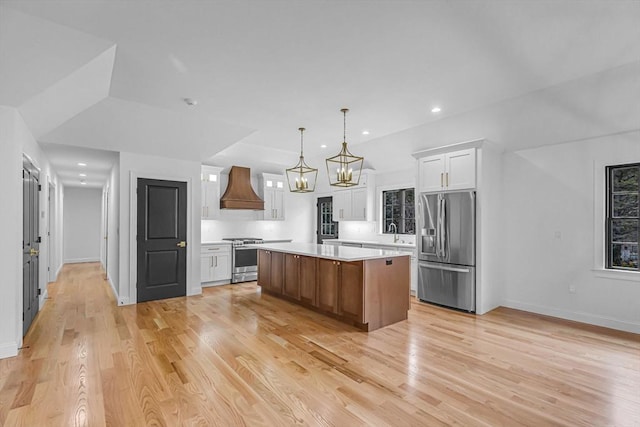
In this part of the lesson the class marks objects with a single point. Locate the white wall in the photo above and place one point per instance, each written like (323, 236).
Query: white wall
(297, 224)
(82, 224)
(370, 230)
(113, 225)
(490, 214)
(133, 166)
(16, 139)
(47, 175)
(11, 226)
(554, 236)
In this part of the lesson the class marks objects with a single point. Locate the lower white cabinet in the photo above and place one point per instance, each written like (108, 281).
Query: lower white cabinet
(215, 263)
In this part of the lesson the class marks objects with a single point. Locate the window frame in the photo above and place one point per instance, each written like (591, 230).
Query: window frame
(609, 217)
(400, 227)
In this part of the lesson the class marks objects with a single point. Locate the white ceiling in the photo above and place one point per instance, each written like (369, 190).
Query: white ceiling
(260, 70)
(65, 158)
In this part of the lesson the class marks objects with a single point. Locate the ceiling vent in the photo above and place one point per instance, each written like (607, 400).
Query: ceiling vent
(239, 193)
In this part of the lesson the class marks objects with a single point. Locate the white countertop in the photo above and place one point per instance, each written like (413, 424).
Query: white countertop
(371, 242)
(338, 253)
(216, 242)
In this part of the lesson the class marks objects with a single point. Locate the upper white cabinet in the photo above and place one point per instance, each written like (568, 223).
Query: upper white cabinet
(210, 192)
(356, 203)
(273, 189)
(448, 171)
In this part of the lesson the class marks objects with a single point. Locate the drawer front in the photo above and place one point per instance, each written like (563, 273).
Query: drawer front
(215, 249)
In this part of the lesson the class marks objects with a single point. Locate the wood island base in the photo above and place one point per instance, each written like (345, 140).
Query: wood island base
(368, 294)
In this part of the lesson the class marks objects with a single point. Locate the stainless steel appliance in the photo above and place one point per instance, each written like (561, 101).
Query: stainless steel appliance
(244, 260)
(447, 249)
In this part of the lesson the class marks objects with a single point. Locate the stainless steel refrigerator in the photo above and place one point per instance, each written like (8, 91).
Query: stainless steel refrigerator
(447, 249)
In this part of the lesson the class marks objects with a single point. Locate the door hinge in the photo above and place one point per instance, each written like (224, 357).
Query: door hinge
(39, 239)
(48, 268)
(39, 187)
(39, 291)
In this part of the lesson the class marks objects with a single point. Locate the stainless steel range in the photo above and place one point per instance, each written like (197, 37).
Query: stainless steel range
(244, 259)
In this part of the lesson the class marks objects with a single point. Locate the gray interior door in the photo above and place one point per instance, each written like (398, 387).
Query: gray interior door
(30, 243)
(162, 236)
(327, 227)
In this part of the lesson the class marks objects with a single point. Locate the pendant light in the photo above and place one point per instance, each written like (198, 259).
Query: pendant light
(344, 168)
(302, 178)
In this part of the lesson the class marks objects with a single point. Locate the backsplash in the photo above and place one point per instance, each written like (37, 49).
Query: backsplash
(368, 230)
(218, 229)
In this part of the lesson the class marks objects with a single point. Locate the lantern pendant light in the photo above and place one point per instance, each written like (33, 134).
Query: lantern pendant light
(344, 168)
(302, 178)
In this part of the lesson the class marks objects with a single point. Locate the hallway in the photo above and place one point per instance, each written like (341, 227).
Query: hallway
(235, 357)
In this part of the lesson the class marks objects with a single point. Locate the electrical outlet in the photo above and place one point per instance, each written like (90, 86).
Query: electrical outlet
(572, 289)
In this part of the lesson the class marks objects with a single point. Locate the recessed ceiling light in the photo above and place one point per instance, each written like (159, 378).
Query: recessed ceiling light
(191, 101)
(365, 132)
(323, 146)
(83, 174)
(83, 182)
(82, 164)
(436, 109)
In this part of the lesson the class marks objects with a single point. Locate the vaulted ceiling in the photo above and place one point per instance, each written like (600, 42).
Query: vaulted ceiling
(113, 75)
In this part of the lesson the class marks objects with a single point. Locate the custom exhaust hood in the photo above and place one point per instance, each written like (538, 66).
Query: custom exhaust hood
(239, 193)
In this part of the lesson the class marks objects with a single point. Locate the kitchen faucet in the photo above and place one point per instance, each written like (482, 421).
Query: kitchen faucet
(395, 232)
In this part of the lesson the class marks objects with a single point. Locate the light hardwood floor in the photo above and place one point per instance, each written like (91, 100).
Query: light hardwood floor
(235, 357)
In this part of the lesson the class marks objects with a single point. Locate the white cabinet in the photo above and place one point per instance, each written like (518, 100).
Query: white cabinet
(355, 204)
(448, 171)
(215, 263)
(350, 205)
(210, 192)
(273, 195)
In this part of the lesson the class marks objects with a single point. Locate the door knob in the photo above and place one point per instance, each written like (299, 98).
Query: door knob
(182, 244)
(34, 252)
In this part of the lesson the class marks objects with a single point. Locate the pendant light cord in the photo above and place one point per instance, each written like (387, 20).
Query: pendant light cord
(344, 133)
(301, 150)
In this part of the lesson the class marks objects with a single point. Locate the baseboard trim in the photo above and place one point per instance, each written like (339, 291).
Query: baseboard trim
(9, 349)
(194, 291)
(113, 288)
(215, 283)
(576, 316)
(79, 260)
(43, 298)
(58, 271)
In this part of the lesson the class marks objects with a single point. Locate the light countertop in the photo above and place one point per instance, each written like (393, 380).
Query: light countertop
(371, 242)
(338, 253)
(216, 242)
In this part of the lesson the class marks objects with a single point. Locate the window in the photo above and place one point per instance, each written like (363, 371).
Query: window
(623, 217)
(398, 207)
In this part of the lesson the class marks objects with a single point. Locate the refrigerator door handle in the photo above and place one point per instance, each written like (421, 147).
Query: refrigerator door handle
(442, 237)
(438, 235)
(441, 267)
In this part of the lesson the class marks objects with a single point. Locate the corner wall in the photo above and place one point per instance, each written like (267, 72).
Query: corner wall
(553, 235)
(113, 229)
(16, 139)
(11, 226)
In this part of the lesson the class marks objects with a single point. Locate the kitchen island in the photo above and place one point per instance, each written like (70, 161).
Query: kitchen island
(367, 288)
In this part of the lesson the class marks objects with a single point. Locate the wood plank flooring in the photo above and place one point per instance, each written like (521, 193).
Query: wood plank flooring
(235, 357)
